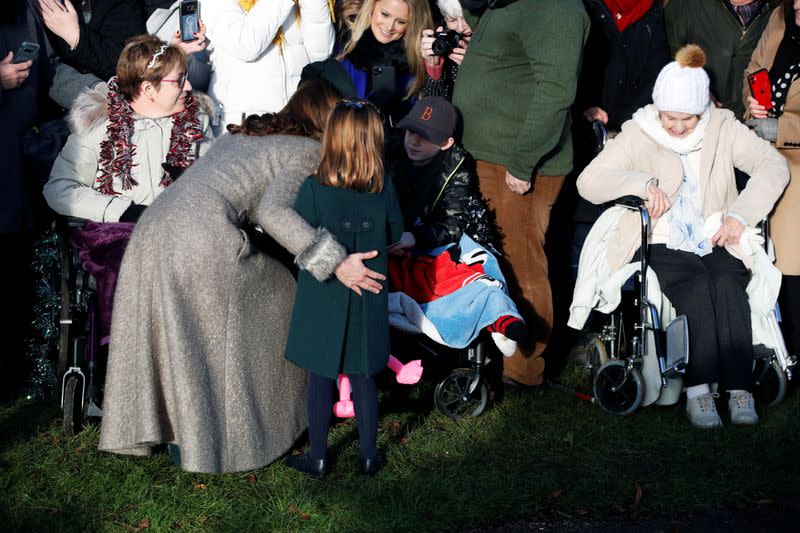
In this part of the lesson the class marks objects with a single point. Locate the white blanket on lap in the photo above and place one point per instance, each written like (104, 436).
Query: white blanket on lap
(598, 287)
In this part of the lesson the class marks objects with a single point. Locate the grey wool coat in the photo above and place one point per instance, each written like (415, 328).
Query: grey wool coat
(201, 316)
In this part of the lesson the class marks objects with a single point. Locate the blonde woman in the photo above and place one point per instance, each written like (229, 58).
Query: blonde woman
(380, 34)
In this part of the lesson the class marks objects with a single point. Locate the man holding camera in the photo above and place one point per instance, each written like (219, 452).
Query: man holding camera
(514, 89)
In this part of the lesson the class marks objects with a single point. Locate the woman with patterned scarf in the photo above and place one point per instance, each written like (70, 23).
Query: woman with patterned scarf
(258, 49)
(131, 137)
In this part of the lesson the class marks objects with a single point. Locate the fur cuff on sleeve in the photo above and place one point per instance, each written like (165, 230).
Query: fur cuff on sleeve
(322, 256)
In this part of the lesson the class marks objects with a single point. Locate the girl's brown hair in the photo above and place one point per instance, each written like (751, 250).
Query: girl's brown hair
(357, 15)
(304, 114)
(352, 147)
(146, 58)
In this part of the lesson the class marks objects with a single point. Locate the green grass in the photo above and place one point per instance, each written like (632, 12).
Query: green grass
(541, 453)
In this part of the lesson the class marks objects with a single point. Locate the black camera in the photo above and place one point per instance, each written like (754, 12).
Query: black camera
(444, 42)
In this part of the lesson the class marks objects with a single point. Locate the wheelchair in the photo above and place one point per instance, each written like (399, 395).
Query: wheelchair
(78, 343)
(615, 357)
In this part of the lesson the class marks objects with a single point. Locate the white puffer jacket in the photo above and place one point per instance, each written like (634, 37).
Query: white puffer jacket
(72, 187)
(249, 73)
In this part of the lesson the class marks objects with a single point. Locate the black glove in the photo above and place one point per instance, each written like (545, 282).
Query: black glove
(172, 171)
(133, 213)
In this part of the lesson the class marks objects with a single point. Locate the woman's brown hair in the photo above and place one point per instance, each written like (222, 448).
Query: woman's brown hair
(352, 147)
(304, 114)
(357, 14)
(147, 58)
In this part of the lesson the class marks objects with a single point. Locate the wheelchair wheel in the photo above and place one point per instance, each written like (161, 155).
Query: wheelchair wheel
(617, 388)
(73, 407)
(452, 396)
(596, 355)
(770, 381)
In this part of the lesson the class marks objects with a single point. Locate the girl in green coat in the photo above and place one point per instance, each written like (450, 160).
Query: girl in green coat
(334, 330)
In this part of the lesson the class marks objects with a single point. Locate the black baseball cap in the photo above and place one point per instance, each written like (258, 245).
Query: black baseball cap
(432, 117)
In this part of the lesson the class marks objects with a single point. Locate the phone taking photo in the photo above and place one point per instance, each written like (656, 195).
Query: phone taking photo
(761, 88)
(189, 20)
(27, 52)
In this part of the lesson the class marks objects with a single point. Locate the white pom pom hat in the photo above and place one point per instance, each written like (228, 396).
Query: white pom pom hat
(682, 86)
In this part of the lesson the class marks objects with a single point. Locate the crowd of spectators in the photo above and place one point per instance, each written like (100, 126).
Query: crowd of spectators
(510, 87)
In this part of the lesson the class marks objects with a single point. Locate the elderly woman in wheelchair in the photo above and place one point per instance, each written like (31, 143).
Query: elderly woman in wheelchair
(678, 155)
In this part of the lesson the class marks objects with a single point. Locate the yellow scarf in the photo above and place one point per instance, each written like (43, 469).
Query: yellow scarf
(280, 38)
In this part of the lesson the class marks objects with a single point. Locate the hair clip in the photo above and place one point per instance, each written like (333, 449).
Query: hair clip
(352, 103)
(158, 54)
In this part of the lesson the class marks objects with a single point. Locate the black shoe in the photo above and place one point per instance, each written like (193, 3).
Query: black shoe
(512, 387)
(369, 466)
(315, 468)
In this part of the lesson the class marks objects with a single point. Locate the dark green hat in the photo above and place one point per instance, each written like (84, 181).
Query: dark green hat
(334, 73)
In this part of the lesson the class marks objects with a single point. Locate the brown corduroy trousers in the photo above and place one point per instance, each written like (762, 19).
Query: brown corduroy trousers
(523, 221)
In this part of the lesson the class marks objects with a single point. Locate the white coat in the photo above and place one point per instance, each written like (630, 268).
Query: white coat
(249, 73)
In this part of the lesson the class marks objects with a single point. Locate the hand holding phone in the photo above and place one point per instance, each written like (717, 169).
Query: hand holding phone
(12, 74)
(760, 87)
(26, 52)
(189, 20)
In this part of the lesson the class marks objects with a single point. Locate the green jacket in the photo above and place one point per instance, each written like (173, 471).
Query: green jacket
(728, 47)
(334, 330)
(517, 83)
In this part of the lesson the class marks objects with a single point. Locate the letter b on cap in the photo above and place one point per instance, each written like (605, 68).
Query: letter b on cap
(426, 115)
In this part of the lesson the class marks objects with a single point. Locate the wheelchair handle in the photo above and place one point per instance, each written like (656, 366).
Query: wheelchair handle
(600, 132)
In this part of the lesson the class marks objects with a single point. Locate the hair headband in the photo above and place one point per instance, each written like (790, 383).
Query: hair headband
(158, 54)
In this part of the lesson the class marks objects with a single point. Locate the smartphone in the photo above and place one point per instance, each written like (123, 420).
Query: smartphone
(189, 13)
(27, 52)
(383, 79)
(760, 87)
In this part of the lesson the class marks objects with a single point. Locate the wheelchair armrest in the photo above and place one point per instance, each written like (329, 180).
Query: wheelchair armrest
(75, 222)
(634, 202)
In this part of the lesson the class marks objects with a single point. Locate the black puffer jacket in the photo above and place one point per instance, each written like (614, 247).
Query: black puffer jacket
(441, 201)
(102, 39)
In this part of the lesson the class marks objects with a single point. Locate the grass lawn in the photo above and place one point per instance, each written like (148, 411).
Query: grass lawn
(540, 453)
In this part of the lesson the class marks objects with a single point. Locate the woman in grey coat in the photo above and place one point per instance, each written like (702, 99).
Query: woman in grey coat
(201, 315)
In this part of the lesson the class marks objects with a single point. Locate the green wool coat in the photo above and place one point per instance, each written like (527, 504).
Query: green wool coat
(517, 83)
(334, 330)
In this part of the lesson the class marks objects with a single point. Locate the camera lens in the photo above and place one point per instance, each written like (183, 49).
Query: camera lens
(441, 46)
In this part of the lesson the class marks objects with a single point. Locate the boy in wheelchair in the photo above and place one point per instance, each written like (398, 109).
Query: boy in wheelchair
(679, 154)
(451, 294)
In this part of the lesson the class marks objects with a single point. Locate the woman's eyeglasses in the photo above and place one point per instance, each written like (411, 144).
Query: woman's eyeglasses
(181, 80)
